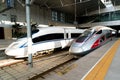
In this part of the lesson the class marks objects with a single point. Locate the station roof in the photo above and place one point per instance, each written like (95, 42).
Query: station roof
(68, 6)
(115, 2)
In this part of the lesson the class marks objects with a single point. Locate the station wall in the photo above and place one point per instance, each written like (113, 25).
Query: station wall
(38, 14)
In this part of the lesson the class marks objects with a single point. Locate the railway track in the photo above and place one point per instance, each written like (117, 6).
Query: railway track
(18, 69)
(2, 55)
(57, 72)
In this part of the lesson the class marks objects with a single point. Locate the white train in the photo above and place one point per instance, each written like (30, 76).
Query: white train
(90, 40)
(44, 40)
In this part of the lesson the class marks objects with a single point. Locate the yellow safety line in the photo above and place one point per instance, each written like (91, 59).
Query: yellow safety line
(100, 70)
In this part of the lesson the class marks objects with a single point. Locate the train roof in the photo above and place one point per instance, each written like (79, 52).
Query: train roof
(59, 29)
(101, 28)
(55, 28)
(51, 30)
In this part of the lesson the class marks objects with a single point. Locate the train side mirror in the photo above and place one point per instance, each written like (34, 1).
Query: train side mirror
(99, 32)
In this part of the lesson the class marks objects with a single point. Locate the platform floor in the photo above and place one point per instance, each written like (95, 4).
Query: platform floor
(101, 64)
(5, 43)
(100, 70)
(114, 69)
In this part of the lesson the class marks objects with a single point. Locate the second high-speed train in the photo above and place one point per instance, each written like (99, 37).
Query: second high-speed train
(90, 40)
(44, 40)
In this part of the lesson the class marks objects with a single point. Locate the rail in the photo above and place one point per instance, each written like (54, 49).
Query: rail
(21, 71)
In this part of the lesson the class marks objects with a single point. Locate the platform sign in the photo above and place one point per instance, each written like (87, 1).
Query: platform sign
(6, 4)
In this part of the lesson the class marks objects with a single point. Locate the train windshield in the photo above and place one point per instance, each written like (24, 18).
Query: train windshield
(85, 36)
(33, 32)
(87, 33)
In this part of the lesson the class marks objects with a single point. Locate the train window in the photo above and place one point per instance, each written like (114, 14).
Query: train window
(81, 38)
(102, 38)
(99, 32)
(108, 35)
(87, 33)
(75, 35)
(48, 37)
(33, 32)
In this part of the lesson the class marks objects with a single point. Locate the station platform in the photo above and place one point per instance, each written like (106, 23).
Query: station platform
(4, 43)
(101, 64)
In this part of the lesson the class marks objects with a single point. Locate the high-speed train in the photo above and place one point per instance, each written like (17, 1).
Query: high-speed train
(44, 40)
(90, 39)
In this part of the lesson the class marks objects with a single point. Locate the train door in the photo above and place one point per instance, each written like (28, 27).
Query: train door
(1, 33)
(68, 38)
(65, 41)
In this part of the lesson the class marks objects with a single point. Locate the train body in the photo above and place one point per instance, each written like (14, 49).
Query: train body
(44, 40)
(90, 40)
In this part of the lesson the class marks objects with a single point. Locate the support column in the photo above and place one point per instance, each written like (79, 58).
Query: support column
(29, 50)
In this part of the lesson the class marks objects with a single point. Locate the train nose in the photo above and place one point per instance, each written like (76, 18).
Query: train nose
(75, 50)
(15, 52)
